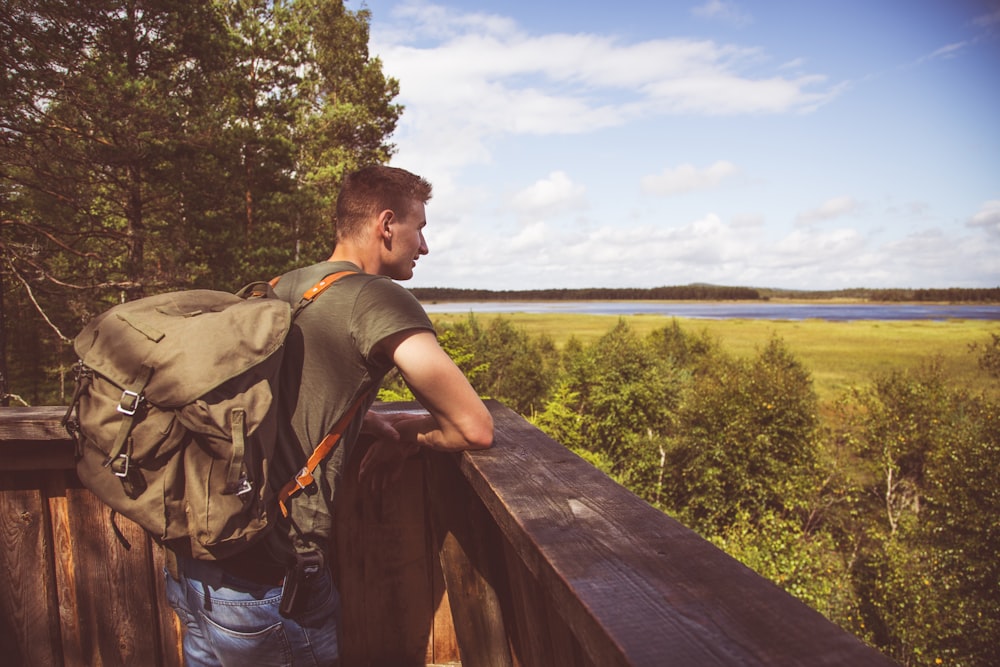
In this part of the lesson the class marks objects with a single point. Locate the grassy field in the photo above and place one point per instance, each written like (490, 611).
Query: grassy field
(838, 354)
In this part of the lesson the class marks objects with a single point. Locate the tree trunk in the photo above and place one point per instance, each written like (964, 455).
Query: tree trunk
(136, 234)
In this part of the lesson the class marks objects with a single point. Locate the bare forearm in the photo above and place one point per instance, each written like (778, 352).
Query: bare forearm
(458, 419)
(426, 432)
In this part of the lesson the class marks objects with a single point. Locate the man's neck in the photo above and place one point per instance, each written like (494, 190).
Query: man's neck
(346, 253)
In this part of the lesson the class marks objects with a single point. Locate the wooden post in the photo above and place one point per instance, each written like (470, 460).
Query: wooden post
(469, 550)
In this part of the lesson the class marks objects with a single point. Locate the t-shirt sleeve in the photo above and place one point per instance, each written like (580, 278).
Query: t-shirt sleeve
(384, 308)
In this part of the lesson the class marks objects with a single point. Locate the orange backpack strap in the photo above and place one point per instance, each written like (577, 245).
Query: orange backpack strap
(304, 477)
(313, 292)
(319, 287)
(322, 285)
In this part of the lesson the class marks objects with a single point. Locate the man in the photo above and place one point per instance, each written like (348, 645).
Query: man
(339, 350)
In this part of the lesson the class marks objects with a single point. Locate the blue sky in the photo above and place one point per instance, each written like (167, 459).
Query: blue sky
(791, 144)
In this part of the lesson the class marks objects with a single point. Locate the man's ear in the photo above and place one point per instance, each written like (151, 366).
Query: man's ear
(385, 219)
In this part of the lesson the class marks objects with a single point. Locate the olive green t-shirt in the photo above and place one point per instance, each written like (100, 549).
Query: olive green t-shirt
(329, 362)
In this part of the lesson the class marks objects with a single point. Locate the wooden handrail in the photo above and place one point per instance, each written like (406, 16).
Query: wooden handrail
(546, 561)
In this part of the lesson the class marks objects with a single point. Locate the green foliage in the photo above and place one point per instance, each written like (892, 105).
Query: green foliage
(508, 365)
(166, 144)
(901, 420)
(622, 396)
(989, 355)
(960, 530)
(806, 564)
(745, 443)
(562, 423)
(927, 534)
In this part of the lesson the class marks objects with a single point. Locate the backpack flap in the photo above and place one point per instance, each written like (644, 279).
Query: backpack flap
(193, 340)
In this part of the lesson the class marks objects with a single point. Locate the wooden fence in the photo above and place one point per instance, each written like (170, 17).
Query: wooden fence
(520, 555)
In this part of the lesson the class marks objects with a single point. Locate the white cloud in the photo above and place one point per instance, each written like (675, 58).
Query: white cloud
(518, 128)
(556, 192)
(705, 249)
(531, 238)
(807, 247)
(988, 217)
(687, 178)
(946, 51)
(481, 77)
(828, 210)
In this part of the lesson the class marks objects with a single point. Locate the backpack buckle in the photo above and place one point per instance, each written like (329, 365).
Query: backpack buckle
(118, 468)
(243, 487)
(129, 403)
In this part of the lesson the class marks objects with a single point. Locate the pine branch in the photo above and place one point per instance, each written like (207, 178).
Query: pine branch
(38, 307)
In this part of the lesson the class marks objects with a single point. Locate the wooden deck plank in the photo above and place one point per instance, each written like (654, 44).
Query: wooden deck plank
(386, 579)
(472, 574)
(65, 568)
(116, 602)
(29, 632)
(540, 634)
(33, 439)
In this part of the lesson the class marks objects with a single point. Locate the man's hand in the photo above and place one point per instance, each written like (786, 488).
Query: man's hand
(383, 462)
(457, 419)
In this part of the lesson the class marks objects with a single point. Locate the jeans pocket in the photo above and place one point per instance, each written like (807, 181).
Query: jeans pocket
(176, 599)
(268, 646)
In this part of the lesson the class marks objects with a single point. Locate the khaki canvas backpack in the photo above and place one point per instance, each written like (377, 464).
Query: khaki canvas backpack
(175, 414)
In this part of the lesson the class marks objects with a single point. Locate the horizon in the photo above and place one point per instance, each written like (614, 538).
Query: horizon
(813, 148)
(711, 285)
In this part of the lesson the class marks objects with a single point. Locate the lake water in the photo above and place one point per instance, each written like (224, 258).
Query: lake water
(763, 310)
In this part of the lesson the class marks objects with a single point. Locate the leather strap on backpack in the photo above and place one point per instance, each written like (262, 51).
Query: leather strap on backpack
(313, 292)
(132, 481)
(304, 478)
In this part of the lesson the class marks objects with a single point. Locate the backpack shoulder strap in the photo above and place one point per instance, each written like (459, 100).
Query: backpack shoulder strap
(313, 292)
(304, 477)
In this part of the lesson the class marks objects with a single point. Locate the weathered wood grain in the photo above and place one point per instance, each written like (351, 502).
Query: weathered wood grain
(29, 622)
(635, 586)
(472, 574)
(116, 604)
(385, 578)
(443, 647)
(33, 439)
(540, 634)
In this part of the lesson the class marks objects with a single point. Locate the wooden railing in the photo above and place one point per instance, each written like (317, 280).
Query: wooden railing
(520, 555)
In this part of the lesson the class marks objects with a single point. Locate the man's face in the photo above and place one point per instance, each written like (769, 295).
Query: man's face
(406, 243)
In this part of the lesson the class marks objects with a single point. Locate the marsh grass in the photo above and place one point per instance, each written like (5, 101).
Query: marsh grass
(838, 354)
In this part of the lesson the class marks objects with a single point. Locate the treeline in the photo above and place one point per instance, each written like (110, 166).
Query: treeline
(160, 145)
(705, 292)
(895, 295)
(950, 295)
(697, 292)
(880, 511)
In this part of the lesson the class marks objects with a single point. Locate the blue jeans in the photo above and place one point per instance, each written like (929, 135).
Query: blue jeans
(231, 621)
